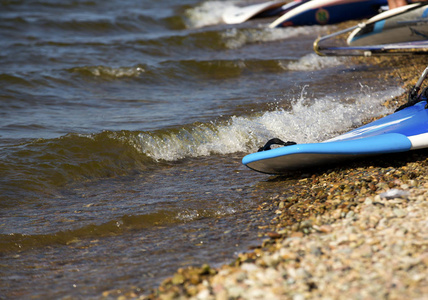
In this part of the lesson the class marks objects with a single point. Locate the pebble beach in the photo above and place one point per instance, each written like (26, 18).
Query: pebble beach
(354, 231)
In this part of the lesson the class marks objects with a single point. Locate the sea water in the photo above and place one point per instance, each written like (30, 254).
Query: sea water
(122, 128)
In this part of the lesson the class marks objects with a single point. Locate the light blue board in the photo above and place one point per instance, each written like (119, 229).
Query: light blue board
(393, 133)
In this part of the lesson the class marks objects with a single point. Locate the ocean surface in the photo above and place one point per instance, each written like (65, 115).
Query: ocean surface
(122, 128)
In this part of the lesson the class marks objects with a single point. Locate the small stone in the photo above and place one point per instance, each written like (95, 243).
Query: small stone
(306, 224)
(368, 201)
(326, 228)
(298, 297)
(236, 291)
(297, 234)
(395, 193)
(350, 214)
(274, 235)
(399, 213)
(202, 295)
(178, 279)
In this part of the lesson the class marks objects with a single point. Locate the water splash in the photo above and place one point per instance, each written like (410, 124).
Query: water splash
(309, 120)
(313, 62)
(207, 13)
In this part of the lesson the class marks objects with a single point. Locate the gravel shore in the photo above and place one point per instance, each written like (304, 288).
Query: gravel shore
(355, 231)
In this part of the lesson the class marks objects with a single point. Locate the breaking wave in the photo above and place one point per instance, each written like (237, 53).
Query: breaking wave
(312, 62)
(43, 163)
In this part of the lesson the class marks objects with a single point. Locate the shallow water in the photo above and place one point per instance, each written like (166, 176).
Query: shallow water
(122, 127)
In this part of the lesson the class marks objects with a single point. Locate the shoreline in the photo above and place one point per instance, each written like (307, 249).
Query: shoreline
(347, 242)
(334, 236)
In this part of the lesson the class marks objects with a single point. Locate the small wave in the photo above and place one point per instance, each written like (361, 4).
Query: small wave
(219, 69)
(313, 62)
(171, 71)
(94, 24)
(208, 39)
(81, 23)
(44, 164)
(206, 14)
(235, 38)
(109, 72)
(167, 71)
(309, 120)
(61, 4)
(7, 79)
(13, 242)
(19, 242)
(220, 39)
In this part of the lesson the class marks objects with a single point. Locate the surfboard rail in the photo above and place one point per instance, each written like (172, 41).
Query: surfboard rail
(409, 48)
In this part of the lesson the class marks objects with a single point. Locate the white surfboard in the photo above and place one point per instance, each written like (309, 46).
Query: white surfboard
(237, 15)
(409, 48)
(403, 24)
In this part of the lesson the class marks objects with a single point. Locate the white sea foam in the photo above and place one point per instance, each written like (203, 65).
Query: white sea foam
(309, 120)
(236, 38)
(103, 71)
(207, 13)
(312, 62)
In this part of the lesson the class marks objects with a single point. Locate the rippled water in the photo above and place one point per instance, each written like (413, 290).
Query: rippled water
(122, 127)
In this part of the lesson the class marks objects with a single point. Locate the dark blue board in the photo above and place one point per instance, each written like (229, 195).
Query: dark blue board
(402, 131)
(322, 12)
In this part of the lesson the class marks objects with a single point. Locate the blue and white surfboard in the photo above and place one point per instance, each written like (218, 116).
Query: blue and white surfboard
(403, 24)
(402, 131)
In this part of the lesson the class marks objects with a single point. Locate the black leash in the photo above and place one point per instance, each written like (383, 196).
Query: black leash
(414, 97)
(275, 141)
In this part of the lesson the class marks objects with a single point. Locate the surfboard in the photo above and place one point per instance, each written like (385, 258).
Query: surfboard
(237, 15)
(410, 48)
(322, 12)
(371, 33)
(403, 24)
(402, 131)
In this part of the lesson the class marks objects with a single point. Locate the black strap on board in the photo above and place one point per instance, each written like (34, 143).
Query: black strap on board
(275, 141)
(414, 97)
